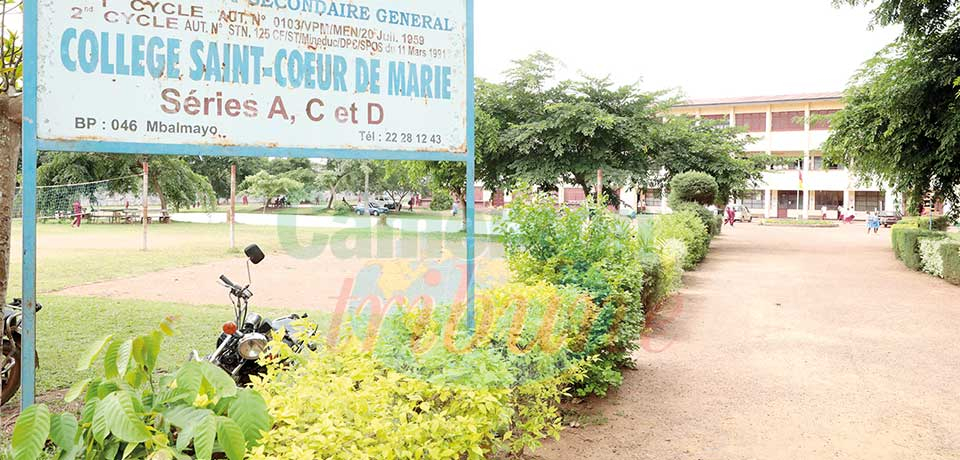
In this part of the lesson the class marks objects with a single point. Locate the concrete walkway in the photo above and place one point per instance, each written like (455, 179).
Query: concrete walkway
(789, 343)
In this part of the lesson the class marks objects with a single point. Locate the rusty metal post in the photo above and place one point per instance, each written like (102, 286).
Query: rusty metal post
(146, 203)
(232, 214)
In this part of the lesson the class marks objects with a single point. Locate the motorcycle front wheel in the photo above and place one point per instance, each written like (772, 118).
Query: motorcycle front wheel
(11, 371)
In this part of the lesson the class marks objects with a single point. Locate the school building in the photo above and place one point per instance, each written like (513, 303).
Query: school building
(782, 126)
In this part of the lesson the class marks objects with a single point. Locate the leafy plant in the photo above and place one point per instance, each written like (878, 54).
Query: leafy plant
(343, 404)
(693, 187)
(710, 220)
(441, 201)
(950, 254)
(594, 250)
(130, 412)
(687, 227)
(930, 259)
(531, 339)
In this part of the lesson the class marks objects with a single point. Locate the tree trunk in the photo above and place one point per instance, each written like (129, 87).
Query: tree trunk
(333, 194)
(158, 189)
(11, 119)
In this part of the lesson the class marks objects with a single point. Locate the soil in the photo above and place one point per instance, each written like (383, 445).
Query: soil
(788, 343)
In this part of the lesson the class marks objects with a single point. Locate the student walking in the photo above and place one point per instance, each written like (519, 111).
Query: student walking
(873, 223)
(731, 215)
(840, 213)
(823, 213)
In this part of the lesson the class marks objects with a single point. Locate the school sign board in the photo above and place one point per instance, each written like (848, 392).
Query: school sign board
(370, 79)
(311, 74)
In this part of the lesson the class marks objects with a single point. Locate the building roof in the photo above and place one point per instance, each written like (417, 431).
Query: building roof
(806, 97)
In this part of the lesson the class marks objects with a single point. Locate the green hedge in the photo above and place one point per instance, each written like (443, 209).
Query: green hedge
(950, 252)
(711, 221)
(906, 244)
(941, 223)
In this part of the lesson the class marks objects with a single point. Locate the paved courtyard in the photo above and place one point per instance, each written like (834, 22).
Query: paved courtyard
(789, 343)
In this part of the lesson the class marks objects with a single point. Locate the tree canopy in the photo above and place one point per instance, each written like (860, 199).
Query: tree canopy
(901, 122)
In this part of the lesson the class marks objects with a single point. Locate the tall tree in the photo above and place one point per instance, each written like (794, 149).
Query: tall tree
(901, 122)
(217, 170)
(11, 121)
(338, 175)
(682, 144)
(400, 179)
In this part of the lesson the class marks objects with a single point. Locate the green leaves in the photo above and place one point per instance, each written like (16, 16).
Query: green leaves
(87, 359)
(126, 414)
(250, 412)
(121, 419)
(63, 432)
(231, 439)
(30, 432)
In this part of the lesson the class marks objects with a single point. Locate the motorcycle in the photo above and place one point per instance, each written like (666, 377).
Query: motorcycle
(243, 341)
(10, 343)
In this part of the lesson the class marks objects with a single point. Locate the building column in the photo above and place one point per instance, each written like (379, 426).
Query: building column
(806, 204)
(767, 202)
(889, 198)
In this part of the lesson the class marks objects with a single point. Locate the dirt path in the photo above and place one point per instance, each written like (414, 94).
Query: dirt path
(790, 344)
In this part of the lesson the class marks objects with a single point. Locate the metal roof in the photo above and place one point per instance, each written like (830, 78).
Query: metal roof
(806, 97)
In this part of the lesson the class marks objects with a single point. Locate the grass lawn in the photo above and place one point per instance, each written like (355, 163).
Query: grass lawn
(69, 257)
(68, 325)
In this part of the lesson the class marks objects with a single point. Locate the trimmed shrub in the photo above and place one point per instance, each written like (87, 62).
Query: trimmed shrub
(672, 254)
(653, 278)
(696, 187)
(930, 259)
(594, 250)
(950, 255)
(907, 244)
(940, 223)
(712, 221)
(342, 208)
(441, 202)
(687, 227)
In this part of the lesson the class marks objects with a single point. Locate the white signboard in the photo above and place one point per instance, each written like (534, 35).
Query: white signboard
(383, 75)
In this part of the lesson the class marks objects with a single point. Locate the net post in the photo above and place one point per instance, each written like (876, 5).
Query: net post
(146, 203)
(28, 383)
(471, 179)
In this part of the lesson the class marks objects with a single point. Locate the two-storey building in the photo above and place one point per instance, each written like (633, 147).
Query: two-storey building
(787, 126)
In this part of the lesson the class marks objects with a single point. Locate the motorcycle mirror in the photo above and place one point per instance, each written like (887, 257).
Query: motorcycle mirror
(254, 253)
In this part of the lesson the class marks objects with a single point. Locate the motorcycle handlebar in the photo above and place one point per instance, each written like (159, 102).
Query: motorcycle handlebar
(225, 280)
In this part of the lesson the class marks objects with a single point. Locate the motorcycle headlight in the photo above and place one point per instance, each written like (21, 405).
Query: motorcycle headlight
(252, 346)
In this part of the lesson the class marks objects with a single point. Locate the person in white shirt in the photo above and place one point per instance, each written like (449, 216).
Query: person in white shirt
(823, 212)
(840, 213)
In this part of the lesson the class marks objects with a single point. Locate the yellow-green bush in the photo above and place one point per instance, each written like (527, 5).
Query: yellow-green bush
(687, 227)
(347, 405)
(431, 389)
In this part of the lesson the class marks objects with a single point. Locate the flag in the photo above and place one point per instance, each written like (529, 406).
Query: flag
(800, 186)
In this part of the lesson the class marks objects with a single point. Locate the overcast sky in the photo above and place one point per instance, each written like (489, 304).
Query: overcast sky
(709, 48)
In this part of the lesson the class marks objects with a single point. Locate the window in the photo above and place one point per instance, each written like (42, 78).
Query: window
(794, 161)
(869, 201)
(754, 122)
(787, 121)
(752, 199)
(723, 118)
(652, 198)
(831, 199)
(821, 163)
(820, 125)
